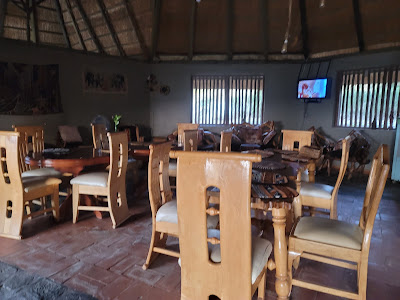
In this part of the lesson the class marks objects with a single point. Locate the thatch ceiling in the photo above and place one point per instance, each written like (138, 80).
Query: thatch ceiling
(185, 30)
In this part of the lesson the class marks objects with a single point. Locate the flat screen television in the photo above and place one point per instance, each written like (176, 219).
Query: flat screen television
(312, 88)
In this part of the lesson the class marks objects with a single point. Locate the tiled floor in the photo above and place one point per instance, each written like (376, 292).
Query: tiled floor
(92, 257)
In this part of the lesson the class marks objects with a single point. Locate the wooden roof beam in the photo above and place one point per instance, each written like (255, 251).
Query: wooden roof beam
(304, 28)
(264, 26)
(33, 21)
(20, 4)
(155, 28)
(192, 29)
(62, 23)
(110, 27)
(89, 26)
(75, 24)
(358, 25)
(136, 27)
(229, 39)
(3, 12)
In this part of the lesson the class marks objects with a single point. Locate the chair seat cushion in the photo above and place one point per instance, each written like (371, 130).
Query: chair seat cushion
(260, 251)
(42, 172)
(331, 232)
(317, 190)
(172, 168)
(168, 213)
(37, 182)
(93, 179)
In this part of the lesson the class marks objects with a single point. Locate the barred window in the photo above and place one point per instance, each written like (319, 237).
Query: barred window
(369, 98)
(227, 99)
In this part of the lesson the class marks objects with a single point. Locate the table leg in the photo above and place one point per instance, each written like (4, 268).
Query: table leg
(282, 286)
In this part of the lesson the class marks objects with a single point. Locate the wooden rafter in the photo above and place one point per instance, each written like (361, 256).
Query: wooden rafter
(155, 28)
(110, 27)
(89, 25)
(75, 24)
(28, 24)
(136, 27)
(3, 12)
(304, 28)
(192, 29)
(229, 39)
(358, 25)
(20, 4)
(264, 26)
(62, 23)
(33, 21)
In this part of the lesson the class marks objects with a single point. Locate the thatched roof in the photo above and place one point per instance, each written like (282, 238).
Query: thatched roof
(185, 30)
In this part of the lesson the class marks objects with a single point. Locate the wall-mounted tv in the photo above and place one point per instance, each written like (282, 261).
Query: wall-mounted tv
(312, 88)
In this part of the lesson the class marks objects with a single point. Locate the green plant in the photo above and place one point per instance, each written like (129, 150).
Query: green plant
(116, 119)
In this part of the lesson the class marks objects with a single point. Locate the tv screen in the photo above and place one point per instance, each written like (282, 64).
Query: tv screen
(312, 88)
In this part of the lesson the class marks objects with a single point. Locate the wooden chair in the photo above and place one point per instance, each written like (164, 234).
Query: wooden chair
(185, 126)
(237, 264)
(99, 134)
(111, 184)
(226, 141)
(296, 139)
(339, 243)
(317, 195)
(16, 192)
(163, 206)
(189, 140)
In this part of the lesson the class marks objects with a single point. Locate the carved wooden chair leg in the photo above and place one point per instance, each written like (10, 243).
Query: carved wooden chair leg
(261, 287)
(29, 208)
(293, 262)
(158, 239)
(75, 204)
(362, 280)
(55, 203)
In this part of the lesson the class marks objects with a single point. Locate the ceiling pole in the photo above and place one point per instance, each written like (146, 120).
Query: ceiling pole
(304, 28)
(33, 21)
(76, 28)
(136, 27)
(62, 23)
(3, 12)
(28, 22)
(155, 28)
(230, 29)
(110, 27)
(192, 29)
(358, 25)
(264, 26)
(89, 26)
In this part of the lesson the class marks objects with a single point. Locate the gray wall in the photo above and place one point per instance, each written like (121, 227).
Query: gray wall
(79, 107)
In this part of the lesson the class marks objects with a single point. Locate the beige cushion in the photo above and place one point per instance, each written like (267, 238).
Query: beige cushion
(43, 172)
(328, 231)
(317, 190)
(92, 179)
(33, 183)
(168, 213)
(260, 251)
(172, 168)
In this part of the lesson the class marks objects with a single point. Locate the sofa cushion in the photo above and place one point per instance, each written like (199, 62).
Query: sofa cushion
(250, 135)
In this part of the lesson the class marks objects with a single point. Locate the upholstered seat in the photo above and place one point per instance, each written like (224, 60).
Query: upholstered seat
(168, 213)
(260, 252)
(328, 231)
(316, 190)
(172, 168)
(93, 179)
(42, 172)
(33, 183)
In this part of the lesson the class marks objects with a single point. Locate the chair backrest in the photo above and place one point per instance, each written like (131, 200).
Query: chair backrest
(118, 142)
(11, 196)
(226, 141)
(190, 140)
(231, 173)
(158, 177)
(69, 135)
(373, 193)
(295, 139)
(99, 134)
(31, 139)
(185, 126)
(346, 143)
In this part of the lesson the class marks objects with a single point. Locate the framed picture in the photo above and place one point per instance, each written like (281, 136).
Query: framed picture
(103, 82)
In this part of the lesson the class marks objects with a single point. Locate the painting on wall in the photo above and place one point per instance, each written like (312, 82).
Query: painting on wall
(103, 82)
(27, 89)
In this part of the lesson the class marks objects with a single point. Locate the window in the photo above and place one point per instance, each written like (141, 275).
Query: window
(369, 98)
(227, 99)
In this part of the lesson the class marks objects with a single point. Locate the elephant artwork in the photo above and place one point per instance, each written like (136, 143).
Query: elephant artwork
(102, 82)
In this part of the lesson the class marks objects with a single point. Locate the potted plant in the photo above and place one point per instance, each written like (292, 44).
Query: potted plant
(116, 119)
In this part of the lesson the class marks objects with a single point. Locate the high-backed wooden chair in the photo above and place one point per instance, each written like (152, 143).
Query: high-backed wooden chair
(324, 196)
(111, 184)
(16, 192)
(189, 140)
(99, 134)
(226, 141)
(339, 243)
(296, 139)
(237, 264)
(185, 126)
(163, 206)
